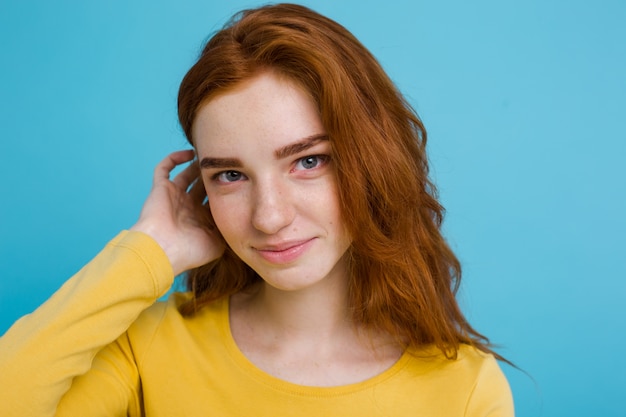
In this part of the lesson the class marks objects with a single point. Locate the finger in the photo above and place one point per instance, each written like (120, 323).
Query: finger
(163, 169)
(198, 195)
(197, 191)
(187, 176)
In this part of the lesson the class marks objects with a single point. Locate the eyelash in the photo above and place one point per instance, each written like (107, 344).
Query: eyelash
(321, 160)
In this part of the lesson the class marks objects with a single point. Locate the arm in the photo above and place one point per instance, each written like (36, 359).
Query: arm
(44, 351)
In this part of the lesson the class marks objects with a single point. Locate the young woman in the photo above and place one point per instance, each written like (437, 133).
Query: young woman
(319, 281)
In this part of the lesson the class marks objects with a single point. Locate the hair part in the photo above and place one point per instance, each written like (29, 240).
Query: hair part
(403, 276)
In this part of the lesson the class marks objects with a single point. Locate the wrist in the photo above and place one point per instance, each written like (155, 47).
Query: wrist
(156, 234)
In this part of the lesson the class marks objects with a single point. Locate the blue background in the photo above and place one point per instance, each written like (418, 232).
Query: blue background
(524, 103)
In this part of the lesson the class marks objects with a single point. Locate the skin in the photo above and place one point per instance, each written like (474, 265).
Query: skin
(270, 183)
(268, 173)
(170, 216)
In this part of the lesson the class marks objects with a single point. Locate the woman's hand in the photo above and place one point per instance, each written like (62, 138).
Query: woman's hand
(175, 217)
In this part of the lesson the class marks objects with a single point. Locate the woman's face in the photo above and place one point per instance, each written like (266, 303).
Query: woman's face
(269, 178)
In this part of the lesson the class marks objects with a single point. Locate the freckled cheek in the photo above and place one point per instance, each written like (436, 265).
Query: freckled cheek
(323, 205)
(335, 218)
(228, 215)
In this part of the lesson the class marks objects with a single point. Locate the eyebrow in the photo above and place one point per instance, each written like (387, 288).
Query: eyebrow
(220, 163)
(280, 153)
(300, 146)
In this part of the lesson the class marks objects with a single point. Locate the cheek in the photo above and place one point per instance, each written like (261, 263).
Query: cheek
(323, 205)
(329, 202)
(226, 215)
(333, 213)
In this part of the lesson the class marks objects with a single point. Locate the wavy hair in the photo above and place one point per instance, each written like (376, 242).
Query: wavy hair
(403, 275)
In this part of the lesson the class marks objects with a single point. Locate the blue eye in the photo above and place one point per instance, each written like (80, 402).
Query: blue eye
(310, 162)
(228, 176)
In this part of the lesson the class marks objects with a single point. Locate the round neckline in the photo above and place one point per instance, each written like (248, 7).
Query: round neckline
(259, 375)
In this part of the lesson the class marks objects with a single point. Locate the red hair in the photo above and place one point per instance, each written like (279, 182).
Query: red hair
(403, 275)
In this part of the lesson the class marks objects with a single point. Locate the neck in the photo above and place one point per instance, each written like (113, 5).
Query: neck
(313, 314)
(308, 336)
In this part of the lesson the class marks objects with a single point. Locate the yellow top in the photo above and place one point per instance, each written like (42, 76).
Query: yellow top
(96, 349)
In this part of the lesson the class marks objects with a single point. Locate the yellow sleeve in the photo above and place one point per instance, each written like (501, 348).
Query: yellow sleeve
(491, 395)
(42, 353)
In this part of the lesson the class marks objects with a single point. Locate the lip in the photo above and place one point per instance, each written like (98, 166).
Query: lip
(284, 252)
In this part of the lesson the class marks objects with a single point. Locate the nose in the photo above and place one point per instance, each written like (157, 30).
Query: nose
(273, 209)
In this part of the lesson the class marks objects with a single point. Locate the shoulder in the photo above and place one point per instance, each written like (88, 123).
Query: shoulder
(162, 323)
(473, 382)
(489, 392)
(471, 367)
(474, 362)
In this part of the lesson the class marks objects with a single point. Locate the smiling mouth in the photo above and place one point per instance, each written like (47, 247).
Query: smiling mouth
(285, 253)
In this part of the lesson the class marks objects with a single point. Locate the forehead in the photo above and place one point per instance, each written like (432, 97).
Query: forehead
(267, 108)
